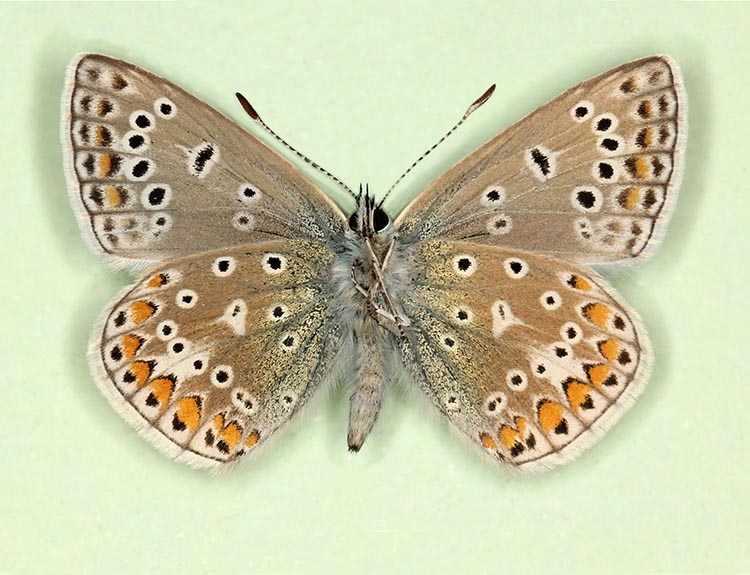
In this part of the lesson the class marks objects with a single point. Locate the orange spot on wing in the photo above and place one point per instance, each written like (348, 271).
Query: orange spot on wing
(648, 136)
(140, 311)
(252, 439)
(162, 388)
(631, 200)
(579, 283)
(189, 412)
(520, 424)
(158, 281)
(218, 421)
(141, 371)
(597, 313)
(102, 136)
(114, 196)
(598, 374)
(578, 394)
(644, 109)
(550, 415)
(609, 348)
(487, 441)
(640, 167)
(131, 343)
(105, 164)
(231, 435)
(508, 436)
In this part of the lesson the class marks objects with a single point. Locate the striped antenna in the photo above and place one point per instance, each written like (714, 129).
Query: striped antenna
(469, 111)
(256, 118)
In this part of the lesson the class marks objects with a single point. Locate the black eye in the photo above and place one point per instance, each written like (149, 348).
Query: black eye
(380, 220)
(354, 222)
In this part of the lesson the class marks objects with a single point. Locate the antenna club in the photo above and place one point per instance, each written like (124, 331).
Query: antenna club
(247, 106)
(482, 99)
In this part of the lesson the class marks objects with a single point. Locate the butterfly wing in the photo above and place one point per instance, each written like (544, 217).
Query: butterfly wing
(208, 355)
(588, 177)
(530, 357)
(154, 172)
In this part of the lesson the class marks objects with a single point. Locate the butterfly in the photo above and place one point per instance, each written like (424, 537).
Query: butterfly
(255, 289)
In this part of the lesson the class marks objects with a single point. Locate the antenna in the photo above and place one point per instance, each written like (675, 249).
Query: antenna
(256, 118)
(475, 105)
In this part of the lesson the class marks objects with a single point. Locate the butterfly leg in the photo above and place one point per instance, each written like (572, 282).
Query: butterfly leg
(374, 310)
(399, 319)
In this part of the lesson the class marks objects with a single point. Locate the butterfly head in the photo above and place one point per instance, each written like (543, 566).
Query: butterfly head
(368, 218)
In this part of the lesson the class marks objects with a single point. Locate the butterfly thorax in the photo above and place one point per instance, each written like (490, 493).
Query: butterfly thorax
(374, 260)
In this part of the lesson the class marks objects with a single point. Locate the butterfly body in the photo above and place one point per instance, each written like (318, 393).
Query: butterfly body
(255, 289)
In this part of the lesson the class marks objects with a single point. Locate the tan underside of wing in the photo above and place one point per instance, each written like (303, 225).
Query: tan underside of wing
(208, 355)
(153, 172)
(530, 357)
(589, 177)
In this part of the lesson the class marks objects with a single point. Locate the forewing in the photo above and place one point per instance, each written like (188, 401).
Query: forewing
(208, 355)
(589, 177)
(153, 172)
(530, 357)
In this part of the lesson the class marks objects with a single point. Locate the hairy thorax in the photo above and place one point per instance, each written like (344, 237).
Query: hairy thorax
(371, 273)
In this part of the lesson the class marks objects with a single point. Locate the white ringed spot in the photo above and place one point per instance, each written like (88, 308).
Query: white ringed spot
(134, 141)
(142, 120)
(156, 196)
(243, 221)
(248, 193)
(223, 266)
(289, 342)
(586, 199)
(179, 346)
(448, 342)
(462, 315)
(464, 265)
(201, 158)
(611, 145)
(495, 404)
(166, 330)
(222, 376)
(500, 224)
(550, 300)
(571, 332)
(277, 312)
(287, 400)
(582, 111)
(139, 169)
(606, 171)
(165, 108)
(516, 268)
(516, 380)
(492, 196)
(604, 123)
(199, 364)
(274, 264)
(186, 299)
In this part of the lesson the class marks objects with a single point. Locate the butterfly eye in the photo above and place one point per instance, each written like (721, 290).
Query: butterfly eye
(354, 222)
(380, 220)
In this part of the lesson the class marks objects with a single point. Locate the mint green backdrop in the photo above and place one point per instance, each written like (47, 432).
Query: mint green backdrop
(364, 88)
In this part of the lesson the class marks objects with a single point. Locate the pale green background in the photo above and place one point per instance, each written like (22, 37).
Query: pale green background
(363, 88)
